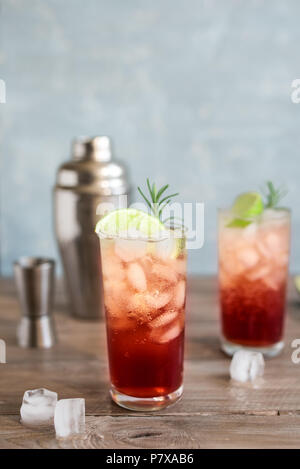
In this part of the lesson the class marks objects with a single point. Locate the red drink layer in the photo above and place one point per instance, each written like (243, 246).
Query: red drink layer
(141, 367)
(252, 314)
(144, 296)
(253, 265)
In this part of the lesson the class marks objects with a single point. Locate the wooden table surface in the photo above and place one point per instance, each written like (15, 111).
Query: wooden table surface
(214, 412)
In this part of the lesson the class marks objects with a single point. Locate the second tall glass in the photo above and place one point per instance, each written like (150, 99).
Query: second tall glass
(253, 268)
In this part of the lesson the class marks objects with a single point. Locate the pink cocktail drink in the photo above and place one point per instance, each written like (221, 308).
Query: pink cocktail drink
(253, 268)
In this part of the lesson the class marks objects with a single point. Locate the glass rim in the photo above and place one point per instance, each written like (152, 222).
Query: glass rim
(285, 211)
(279, 209)
(174, 228)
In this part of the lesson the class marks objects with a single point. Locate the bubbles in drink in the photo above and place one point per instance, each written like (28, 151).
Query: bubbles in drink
(164, 272)
(157, 299)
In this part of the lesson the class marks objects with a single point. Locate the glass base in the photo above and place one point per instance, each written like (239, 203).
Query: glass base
(271, 351)
(145, 404)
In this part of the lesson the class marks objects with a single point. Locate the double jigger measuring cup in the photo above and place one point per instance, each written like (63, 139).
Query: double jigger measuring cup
(34, 278)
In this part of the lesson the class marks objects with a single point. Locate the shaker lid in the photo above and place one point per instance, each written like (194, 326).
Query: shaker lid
(93, 169)
(96, 148)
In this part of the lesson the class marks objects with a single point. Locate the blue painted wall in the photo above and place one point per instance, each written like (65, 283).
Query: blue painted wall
(196, 93)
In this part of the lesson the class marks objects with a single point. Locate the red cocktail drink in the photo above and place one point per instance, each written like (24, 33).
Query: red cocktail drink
(144, 368)
(253, 267)
(144, 295)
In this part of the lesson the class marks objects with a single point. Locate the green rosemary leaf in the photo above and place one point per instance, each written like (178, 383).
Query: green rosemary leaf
(163, 207)
(273, 196)
(149, 188)
(161, 191)
(168, 197)
(145, 198)
(156, 205)
(154, 192)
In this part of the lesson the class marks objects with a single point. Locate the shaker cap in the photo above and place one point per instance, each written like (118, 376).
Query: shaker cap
(93, 169)
(96, 148)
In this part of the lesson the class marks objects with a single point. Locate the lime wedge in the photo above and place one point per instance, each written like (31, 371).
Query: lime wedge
(125, 220)
(179, 247)
(151, 226)
(239, 223)
(297, 283)
(135, 223)
(248, 205)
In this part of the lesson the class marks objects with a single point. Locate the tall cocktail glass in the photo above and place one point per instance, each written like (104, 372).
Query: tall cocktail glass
(253, 269)
(144, 295)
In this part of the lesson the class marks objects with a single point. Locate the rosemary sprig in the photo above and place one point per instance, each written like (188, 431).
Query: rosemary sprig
(273, 196)
(157, 203)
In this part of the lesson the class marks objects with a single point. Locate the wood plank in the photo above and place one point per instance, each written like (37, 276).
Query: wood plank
(156, 432)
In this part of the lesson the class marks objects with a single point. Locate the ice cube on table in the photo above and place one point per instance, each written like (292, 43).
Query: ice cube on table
(246, 366)
(38, 407)
(69, 417)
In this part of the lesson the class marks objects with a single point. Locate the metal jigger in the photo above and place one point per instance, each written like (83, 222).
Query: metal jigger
(35, 284)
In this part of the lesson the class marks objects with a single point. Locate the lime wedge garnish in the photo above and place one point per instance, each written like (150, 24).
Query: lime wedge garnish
(135, 223)
(297, 283)
(245, 208)
(178, 248)
(248, 205)
(125, 221)
(238, 223)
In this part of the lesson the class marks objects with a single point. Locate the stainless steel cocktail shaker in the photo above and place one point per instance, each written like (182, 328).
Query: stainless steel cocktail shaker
(91, 178)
